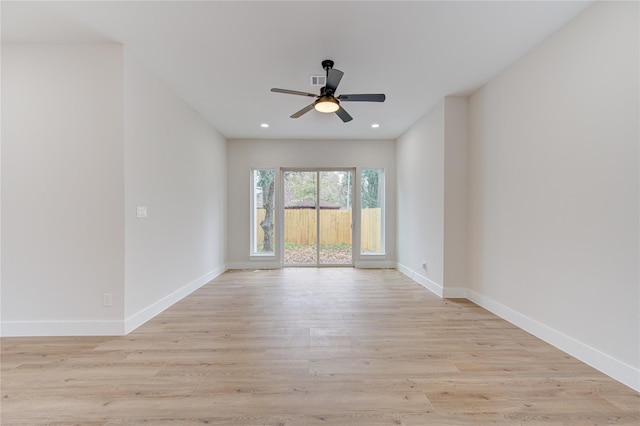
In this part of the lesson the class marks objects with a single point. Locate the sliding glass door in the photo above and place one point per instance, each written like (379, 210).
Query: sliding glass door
(317, 219)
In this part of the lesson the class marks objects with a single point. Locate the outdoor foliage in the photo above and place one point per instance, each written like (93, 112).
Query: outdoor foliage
(369, 182)
(335, 188)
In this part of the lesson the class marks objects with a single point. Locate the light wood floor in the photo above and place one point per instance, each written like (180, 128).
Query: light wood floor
(309, 347)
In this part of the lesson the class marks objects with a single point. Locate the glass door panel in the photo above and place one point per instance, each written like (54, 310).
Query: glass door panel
(300, 218)
(335, 202)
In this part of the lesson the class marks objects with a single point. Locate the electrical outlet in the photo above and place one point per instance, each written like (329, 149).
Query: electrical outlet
(106, 300)
(141, 211)
(423, 265)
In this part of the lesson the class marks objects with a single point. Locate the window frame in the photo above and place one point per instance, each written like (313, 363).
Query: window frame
(382, 178)
(253, 226)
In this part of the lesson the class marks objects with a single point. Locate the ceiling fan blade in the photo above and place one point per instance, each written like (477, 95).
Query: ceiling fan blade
(344, 115)
(378, 97)
(302, 111)
(293, 92)
(333, 79)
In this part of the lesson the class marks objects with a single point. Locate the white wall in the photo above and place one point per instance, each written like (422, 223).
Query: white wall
(420, 206)
(175, 166)
(245, 154)
(62, 180)
(88, 135)
(455, 196)
(553, 163)
(432, 188)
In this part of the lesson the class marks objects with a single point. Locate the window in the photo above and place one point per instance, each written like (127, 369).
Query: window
(372, 211)
(263, 212)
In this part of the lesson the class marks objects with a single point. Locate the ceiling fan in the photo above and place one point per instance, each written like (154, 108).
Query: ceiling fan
(326, 101)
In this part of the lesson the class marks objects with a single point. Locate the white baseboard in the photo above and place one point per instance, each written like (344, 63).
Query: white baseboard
(103, 328)
(433, 287)
(454, 293)
(61, 328)
(254, 265)
(374, 264)
(136, 320)
(614, 368)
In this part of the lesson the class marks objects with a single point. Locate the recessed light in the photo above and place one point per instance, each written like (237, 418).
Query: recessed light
(375, 125)
(265, 125)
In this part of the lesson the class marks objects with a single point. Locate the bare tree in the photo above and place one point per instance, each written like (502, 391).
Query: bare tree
(265, 181)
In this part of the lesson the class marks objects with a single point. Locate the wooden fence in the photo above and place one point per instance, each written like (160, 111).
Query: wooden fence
(335, 227)
(370, 233)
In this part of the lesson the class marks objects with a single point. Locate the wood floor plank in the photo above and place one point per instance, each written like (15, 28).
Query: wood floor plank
(308, 347)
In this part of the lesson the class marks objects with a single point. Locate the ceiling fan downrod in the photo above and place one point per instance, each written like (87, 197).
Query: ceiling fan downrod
(327, 64)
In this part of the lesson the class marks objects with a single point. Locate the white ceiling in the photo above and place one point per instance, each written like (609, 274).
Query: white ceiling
(224, 57)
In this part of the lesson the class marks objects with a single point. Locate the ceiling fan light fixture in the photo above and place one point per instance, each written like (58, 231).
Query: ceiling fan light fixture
(326, 104)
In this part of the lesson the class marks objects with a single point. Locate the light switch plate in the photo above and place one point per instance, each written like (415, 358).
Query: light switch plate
(142, 211)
